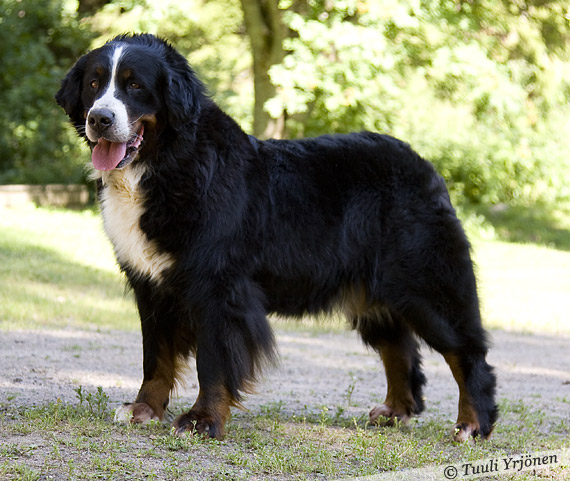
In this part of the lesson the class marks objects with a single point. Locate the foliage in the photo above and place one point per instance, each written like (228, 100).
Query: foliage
(39, 40)
(96, 404)
(208, 33)
(479, 88)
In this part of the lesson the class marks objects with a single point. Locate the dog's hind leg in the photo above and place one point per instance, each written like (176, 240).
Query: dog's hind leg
(430, 283)
(458, 335)
(476, 381)
(399, 352)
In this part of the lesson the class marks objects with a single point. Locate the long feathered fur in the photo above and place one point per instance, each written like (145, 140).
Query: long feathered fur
(291, 227)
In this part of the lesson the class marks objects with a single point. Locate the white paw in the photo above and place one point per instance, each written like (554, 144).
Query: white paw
(136, 413)
(123, 414)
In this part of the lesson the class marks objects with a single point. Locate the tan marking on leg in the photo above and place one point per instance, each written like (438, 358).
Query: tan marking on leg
(399, 404)
(209, 415)
(155, 392)
(467, 424)
(355, 305)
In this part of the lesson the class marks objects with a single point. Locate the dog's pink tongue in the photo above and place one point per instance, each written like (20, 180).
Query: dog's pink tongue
(107, 155)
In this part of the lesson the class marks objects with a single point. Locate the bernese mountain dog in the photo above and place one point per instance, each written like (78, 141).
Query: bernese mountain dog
(216, 229)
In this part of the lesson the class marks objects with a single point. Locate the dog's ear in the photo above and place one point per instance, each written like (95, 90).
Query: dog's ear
(184, 93)
(69, 95)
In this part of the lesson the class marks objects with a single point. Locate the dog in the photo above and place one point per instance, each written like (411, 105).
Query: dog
(215, 230)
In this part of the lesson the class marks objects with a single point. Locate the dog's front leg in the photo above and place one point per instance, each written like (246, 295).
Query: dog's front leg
(234, 340)
(164, 351)
(221, 369)
(210, 413)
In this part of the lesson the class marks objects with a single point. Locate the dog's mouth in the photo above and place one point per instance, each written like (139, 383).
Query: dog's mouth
(108, 155)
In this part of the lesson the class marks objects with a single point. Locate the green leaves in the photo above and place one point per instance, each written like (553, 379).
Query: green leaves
(472, 85)
(39, 41)
(481, 88)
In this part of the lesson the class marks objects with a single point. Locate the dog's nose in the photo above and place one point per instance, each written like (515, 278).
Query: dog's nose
(100, 119)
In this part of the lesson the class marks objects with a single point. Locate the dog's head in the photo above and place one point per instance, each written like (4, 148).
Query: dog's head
(131, 88)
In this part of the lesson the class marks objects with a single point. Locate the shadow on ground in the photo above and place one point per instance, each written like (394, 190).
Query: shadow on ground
(536, 225)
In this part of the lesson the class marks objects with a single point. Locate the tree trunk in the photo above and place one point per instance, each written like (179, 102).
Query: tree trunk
(266, 32)
(90, 7)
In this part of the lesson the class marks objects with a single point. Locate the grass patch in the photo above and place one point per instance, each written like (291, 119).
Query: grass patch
(531, 225)
(524, 287)
(57, 270)
(77, 442)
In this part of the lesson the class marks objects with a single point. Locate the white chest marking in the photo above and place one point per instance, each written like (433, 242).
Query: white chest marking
(122, 207)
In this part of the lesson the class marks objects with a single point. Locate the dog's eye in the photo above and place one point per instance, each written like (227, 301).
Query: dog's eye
(94, 84)
(134, 86)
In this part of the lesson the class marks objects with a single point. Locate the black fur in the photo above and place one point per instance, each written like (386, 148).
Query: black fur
(290, 227)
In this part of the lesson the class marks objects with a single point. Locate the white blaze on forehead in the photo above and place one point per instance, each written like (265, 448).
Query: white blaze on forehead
(120, 130)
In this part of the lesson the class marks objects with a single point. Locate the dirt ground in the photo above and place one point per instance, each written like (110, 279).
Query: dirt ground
(316, 370)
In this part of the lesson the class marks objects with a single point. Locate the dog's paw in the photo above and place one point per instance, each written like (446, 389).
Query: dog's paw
(465, 431)
(385, 415)
(136, 413)
(193, 423)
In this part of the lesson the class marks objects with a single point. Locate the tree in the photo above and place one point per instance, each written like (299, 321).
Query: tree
(39, 41)
(481, 88)
(266, 32)
(473, 86)
(89, 7)
(210, 34)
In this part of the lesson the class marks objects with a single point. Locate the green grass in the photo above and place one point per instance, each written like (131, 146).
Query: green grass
(57, 270)
(79, 442)
(524, 287)
(537, 225)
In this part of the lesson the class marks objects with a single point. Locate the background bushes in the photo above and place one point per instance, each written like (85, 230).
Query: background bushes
(480, 88)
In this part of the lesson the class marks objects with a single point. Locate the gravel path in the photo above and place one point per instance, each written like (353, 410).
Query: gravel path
(37, 367)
